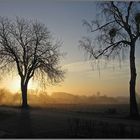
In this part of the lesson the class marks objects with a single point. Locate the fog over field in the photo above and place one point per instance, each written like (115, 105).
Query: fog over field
(41, 98)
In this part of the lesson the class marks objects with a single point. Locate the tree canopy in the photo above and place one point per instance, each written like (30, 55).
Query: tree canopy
(28, 46)
(116, 25)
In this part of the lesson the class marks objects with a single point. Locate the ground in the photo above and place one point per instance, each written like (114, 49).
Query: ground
(67, 121)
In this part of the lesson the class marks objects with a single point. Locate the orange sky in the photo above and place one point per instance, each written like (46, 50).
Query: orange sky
(81, 79)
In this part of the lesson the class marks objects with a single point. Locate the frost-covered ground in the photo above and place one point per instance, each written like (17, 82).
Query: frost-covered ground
(68, 121)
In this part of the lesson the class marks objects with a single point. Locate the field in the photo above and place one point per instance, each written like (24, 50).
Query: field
(68, 121)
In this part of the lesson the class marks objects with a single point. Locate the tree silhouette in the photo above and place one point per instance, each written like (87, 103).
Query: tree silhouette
(28, 47)
(116, 29)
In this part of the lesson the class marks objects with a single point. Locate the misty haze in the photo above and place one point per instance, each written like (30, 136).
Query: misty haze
(69, 69)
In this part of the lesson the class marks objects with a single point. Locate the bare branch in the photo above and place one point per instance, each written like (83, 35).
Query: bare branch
(99, 28)
(117, 30)
(128, 11)
(29, 45)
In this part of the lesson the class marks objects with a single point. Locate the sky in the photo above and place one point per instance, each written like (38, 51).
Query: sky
(64, 20)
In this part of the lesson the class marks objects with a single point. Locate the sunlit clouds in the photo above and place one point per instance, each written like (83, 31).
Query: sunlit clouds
(110, 78)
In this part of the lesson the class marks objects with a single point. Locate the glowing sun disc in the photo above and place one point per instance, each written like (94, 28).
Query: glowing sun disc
(14, 85)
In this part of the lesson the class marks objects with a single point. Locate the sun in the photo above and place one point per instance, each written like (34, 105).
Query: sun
(14, 85)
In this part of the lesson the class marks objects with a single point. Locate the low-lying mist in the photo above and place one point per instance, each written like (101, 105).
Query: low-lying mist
(43, 99)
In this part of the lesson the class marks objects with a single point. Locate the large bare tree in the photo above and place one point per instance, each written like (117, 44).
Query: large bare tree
(28, 47)
(116, 29)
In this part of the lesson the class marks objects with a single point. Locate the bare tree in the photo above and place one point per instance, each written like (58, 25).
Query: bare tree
(116, 30)
(28, 47)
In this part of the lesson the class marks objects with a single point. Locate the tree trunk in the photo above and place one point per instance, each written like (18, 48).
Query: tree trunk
(24, 94)
(133, 103)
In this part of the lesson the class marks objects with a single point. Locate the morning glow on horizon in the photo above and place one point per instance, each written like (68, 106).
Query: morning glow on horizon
(64, 20)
